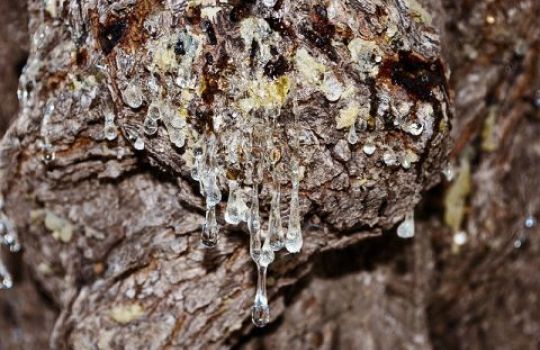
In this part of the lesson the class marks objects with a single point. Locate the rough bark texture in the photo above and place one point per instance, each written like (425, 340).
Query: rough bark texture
(14, 42)
(132, 273)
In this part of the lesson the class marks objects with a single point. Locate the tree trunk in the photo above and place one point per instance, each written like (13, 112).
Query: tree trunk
(110, 218)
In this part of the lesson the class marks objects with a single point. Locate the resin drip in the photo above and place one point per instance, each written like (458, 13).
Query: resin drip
(210, 230)
(6, 280)
(275, 230)
(406, 228)
(9, 238)
(254, 226)
(260, 311)
(294, 241)
(209, 188)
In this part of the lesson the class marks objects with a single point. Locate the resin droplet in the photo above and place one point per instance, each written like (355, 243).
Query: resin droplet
(154, 112)
(408, 159)
(177, 137)
(352, 137)
(8, 235)
(294, 241)
(178, 122)
(48, 154)
(332, 87)
(269, 3)
(210, 229)
(460, 238)
(150, 126)
(369, 149)
(6, 280)
(10, 239)
(415, 129)
(260, 311)
(389, 158)
(530, 221)
(110, 131)
(133, 96)
(521, 241)
(406, 228)
(139, 144)
(449, 172)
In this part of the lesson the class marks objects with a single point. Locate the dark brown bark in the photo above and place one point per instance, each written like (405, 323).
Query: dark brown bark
(136, 221)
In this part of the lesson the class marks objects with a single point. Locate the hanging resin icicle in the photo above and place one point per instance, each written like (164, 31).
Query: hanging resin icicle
(8, 237)
(260, 311)
(211, 188)
(198, 169)
(254, 219)
(262, 254)
(254, 225)
(231, 211)
(8, 234)
(232, 152)
(406, 228)
(352, 136)
(6, 279)
(267, 253)
(275, 230)
(210, 229)
(212, 193)
(236, 207)
(294, 241)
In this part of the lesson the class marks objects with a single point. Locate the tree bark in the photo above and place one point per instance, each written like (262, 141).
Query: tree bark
(111, 232)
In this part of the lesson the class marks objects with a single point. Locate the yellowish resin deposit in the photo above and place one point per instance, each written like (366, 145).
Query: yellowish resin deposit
(266, 94)
(418, 12)
(348, 116)
(364, 53)
(254, 28)
(126, 313)
(456, 196)
(489, 137)
(164, 57)
(310, 69)
(62, 230)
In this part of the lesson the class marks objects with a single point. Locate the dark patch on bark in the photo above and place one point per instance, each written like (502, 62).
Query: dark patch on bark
(179, 48)
(210, 32)
(193, 15)
(278, 25)
(241, 9)
(416, 75)
(111, 34)
(276, 68)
